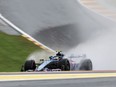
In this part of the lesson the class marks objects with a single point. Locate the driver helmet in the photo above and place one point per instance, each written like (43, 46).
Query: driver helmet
(59, 54)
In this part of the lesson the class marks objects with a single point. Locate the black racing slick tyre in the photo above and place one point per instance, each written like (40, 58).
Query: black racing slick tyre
(85, 64)
(29, 65)
(64, 65)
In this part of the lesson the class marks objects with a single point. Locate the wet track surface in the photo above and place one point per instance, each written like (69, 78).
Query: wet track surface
(96, 82)
(63, 22)
(74, 82)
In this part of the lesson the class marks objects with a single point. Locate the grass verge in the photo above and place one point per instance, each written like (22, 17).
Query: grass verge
(13, 52)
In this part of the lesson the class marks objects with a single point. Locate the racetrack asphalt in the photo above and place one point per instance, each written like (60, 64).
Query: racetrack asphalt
(94, 82)
(59, 21)
(55, 75)
(106, 81)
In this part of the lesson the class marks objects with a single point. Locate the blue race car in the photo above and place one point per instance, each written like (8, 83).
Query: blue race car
(59, 63)
(54, 63)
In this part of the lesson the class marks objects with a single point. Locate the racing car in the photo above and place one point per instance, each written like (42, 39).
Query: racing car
(57, 63)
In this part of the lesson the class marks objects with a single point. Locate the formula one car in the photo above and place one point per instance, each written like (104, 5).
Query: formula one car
(57, 63)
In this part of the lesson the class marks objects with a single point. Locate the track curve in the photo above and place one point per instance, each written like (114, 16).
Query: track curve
(63, 28)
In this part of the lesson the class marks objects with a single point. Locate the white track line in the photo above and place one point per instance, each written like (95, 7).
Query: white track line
(25, 34)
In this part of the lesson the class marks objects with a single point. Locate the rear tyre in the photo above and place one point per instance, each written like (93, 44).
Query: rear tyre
(85, 65)
(29, 65)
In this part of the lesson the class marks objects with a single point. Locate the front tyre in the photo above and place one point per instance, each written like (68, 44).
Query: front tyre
(29, 65)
